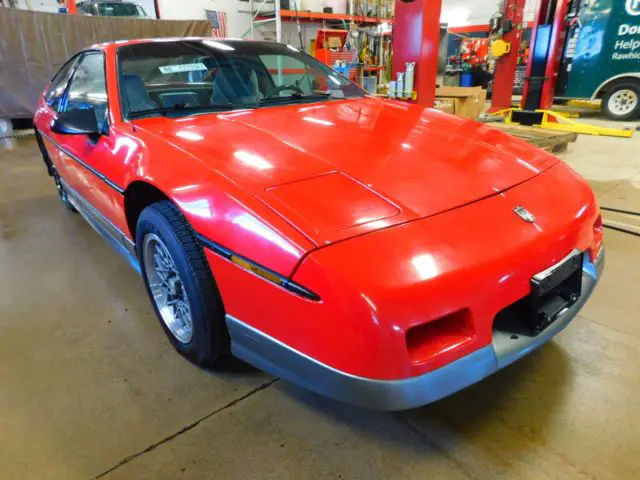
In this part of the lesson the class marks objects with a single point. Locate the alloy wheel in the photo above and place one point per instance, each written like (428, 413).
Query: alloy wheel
(167, 288)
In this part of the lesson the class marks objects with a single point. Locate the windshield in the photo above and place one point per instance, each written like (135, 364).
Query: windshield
(206, 75)
(120, 10)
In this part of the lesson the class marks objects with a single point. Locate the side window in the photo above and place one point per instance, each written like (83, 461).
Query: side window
(59, 84)
(88, 88)
(85, 9)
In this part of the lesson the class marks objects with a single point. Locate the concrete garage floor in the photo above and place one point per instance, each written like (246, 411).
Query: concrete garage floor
(89, 387)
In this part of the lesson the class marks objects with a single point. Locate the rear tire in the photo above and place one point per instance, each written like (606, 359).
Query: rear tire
(180, 284)
(622, 101)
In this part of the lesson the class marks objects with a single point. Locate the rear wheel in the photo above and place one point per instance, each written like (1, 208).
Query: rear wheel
(622, 101)
(180, 284)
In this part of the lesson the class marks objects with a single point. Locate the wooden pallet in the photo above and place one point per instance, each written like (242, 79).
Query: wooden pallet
(545, 139)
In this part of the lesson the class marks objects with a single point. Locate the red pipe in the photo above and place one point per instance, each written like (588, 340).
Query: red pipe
(505, 72)
(416, 38)
(478, 28)
(558, 36)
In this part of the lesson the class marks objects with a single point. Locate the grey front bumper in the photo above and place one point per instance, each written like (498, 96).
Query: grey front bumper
(273, 356)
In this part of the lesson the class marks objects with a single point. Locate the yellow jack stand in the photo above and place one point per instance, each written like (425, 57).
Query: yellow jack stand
(550, 120)
(565, 114)
(593, 105)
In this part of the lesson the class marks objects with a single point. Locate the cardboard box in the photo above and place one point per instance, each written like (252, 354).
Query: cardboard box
(468, 102)
(446, 105)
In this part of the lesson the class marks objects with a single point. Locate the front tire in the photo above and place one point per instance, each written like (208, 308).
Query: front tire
(62, 193)
(51, 170)
(622, 101)
(180, 284)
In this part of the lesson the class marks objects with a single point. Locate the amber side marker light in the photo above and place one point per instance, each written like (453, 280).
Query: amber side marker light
(259, 270)
(598, 233)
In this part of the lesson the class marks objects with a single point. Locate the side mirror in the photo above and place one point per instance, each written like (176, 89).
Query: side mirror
(77, 122)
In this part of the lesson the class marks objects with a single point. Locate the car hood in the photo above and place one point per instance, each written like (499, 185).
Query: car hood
(337, 169)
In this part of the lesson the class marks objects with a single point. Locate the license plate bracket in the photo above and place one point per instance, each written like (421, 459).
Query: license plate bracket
(554, 290)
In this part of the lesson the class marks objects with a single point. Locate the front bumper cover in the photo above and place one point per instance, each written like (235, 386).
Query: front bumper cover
(273, 356)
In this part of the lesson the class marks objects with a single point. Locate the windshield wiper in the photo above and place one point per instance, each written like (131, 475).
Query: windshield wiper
(295, 97)
(218, 107)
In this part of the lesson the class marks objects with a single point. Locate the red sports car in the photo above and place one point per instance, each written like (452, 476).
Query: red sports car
(374, 251)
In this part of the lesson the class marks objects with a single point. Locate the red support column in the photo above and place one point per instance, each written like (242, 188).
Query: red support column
(556, 44)
(416, 38)
(540, 19)
(547, 41)
(505, 72)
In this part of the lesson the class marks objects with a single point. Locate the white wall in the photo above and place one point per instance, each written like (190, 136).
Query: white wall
(459, 13)
(237, 12)
(182, 9)
(50, 6)
(148, 6)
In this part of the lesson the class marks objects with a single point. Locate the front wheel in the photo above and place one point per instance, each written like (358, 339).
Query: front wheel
(62, 193)
(51, 170)
(180, 284)
(622, 102)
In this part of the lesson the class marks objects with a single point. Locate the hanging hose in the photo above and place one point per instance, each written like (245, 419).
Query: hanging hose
(295, 9)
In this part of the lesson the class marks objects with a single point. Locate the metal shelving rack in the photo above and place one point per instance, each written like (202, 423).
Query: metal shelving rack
(258, 17)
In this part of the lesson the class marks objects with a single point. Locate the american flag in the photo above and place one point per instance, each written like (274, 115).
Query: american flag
(218, 21)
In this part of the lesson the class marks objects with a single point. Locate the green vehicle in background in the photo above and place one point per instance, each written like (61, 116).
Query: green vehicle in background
(601, 57)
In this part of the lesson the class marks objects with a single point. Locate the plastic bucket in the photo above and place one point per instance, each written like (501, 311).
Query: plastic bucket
(466, 79)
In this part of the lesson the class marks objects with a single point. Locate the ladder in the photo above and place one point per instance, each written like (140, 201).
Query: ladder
(277, 18)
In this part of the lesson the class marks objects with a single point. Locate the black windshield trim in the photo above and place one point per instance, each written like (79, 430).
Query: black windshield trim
(188, 110)
(296, 99)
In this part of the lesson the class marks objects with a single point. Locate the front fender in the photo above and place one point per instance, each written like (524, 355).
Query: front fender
(216, 208)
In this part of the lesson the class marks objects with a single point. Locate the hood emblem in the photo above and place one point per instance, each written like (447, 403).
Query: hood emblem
(524, 214)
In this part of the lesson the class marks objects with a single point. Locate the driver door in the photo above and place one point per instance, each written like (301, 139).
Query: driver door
(93, 167)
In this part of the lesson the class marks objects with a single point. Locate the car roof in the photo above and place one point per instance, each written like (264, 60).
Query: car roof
(226, 41)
